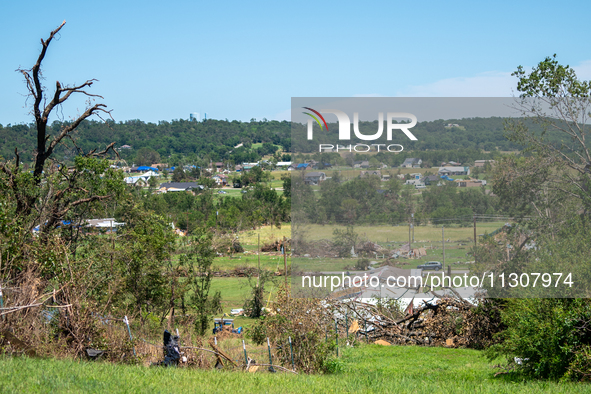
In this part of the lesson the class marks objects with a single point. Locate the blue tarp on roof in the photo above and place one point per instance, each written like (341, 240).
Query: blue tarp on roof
(303, 165)
(146, 168)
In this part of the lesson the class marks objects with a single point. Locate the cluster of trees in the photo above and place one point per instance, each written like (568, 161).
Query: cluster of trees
(370, 201)
(548, 190)
(211, 140)
(450, 204)
(474, 133)
(258, 206)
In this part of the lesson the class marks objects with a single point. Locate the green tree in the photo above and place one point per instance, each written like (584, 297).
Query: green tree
(198, 263)
(555, 100)
(178, 174)
(147, 156)
(145, 243)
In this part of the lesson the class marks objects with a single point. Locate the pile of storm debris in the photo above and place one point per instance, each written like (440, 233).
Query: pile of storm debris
(325, 248)
(447, 321)
(277, 246)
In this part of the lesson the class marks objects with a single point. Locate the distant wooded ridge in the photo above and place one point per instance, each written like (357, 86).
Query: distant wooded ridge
(220, 140)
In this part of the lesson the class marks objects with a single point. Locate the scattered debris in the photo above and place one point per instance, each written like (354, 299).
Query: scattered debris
(172, 354)
(382, 342)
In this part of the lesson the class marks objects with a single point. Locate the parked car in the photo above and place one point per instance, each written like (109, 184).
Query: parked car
(222, 192)
(431, 265)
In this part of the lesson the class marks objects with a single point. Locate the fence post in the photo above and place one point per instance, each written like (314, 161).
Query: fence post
(130, 337)
(336, 330)
(291, 352)
(347, 325)
(2, 303)
(245, 356)
(271, 369)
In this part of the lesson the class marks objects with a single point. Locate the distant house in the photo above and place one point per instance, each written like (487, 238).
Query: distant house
(220, 179)
(386, 177)
(453, 171)
(292, 167)
(125, 147)
(314, 177)
(140, 180)
(361, 164)
(179, 187)
(482, 163)
(283, 163)
(471, 183)
(106, 223)
(142, 169)
(451, 125)
(366, 174)
(412, 163)
(219, 165)
(321, 166)
(431, 180)
(238, 167)
(451, 163)
(302, 166)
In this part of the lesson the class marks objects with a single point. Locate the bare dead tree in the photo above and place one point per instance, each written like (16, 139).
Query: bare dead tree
(56, 203)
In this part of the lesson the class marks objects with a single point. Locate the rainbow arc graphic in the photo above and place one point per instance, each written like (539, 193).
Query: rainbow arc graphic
(315, 118)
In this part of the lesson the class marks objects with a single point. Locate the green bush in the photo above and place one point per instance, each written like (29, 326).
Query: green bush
(549, 336)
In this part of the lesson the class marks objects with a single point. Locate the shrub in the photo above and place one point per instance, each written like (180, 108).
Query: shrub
(550, 336)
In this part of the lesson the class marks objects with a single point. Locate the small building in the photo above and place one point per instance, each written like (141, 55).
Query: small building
(430, 180)
(482, 163)
(140, 180)
(451, 163)
(471, 183)
(412, 163)
(106, 223)
(367, 174)
(220, 179)
(453, 171)
(179, 187)
(142, 169)
(361, 164)
(283, 163)
(314, 178)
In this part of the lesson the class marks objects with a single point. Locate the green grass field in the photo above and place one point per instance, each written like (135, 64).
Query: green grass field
(387, 234)
(367, 369)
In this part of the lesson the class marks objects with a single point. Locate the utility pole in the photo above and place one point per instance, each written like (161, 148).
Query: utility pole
(285, 260)
(474, 238)
(259, 256)
(443, 244)
(409, 241)
(112, 246)
(412, 215)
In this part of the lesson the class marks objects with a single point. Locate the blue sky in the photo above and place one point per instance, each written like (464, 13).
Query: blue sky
(161, 60)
